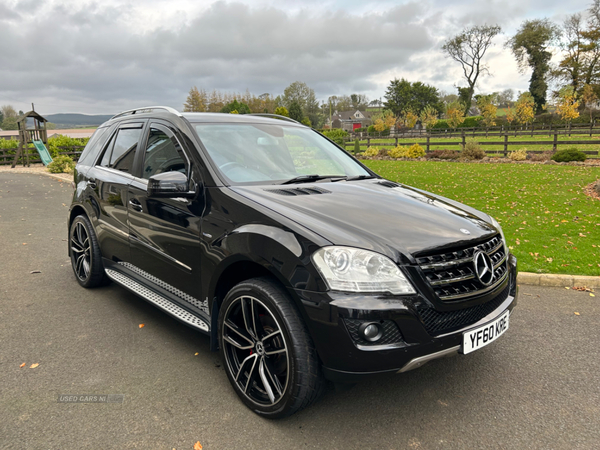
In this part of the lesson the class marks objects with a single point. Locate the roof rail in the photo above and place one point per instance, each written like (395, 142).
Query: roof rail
(277, 116)
(146, 109)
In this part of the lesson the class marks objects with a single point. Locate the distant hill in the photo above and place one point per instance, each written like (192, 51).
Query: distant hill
(77, 120)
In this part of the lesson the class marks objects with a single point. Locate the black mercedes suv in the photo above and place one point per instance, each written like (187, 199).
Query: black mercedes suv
(299, 263)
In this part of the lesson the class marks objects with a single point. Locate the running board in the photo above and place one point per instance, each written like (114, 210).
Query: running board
(158, 300)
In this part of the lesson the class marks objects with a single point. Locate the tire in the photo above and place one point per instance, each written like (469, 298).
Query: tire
(86, 259)
(271, 363)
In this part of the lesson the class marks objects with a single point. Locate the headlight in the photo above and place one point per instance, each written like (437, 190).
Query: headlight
(499, 228)
(355, 270)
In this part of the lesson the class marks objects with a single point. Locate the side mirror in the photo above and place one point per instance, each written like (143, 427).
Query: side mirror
(169, 185)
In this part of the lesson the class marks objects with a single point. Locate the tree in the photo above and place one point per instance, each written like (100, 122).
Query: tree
(510, 116)
(525, 108)
(530, 48)
(567, 104)
(196, 101)
(306, 121)
(305, 97)
(295, 111)
(402, 95)
(455, 114)
(9, 112)
(282, 111)
(359, 101)
(383, 120)
(589, 99)
(506, 97)
(408, 119)
(238, 107)
(468, 48)
(429, 116)
(485, 103)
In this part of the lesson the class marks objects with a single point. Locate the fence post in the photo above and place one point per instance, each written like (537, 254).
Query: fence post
(506, 144)
(463, 138)
(591, 125)
(368, 142)
(396, 141)
(532, 129)
(555, 144)
(427, 143)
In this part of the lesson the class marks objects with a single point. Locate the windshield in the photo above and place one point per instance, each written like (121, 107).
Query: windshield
(254, 153)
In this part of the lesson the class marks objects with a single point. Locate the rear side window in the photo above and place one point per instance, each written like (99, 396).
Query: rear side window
(93, 147)
(120, 152)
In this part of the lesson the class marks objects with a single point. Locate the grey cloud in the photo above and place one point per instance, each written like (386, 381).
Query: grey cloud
(93, 52)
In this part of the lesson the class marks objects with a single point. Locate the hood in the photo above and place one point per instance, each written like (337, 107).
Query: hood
(378, 215)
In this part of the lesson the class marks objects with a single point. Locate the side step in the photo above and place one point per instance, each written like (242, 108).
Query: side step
(158, 300)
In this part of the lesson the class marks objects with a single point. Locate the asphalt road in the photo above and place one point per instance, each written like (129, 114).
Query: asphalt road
(538, 387)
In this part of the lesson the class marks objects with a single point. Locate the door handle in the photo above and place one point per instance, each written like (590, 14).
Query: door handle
(92, 183)
(135, 205)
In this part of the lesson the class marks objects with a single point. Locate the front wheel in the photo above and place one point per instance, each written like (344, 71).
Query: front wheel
(268, 354)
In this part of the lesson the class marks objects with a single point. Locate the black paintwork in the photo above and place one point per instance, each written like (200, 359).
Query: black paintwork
(222, 234)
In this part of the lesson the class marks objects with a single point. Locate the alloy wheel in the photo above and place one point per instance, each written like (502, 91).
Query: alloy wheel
(81, 251)
(256, 351)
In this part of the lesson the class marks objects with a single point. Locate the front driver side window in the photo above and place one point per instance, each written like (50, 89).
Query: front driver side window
(163, 153)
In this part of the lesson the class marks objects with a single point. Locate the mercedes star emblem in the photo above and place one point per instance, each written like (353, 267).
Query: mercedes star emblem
(484, 268)
(465, 231)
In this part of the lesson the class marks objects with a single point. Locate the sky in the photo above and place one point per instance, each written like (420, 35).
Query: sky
(103, 57)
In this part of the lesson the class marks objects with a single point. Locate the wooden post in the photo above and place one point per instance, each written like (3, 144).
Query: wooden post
(555, 143)
(506, 144)
(427, 144)
(532, 130)
(569, 129)
(396, 141)
(591, 126)
(464, 141)
(368, 141)
(17, 154)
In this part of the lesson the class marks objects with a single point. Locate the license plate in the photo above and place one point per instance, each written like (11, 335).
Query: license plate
(482, 336)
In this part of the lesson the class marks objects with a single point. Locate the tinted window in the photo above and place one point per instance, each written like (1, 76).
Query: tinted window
(119, 155)
(93, 146)
(163, 154)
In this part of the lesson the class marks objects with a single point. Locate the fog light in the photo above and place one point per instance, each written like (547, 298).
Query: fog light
(371, 331)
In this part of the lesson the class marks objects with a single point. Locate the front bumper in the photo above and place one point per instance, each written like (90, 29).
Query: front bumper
(427, 329)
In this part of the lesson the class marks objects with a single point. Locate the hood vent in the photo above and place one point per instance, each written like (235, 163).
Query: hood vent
(299, 191)
(389, 184)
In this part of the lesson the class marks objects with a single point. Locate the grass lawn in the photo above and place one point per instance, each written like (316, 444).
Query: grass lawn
(550, 224)
(594, 144)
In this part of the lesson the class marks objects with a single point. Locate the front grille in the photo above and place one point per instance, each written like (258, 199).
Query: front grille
(452, 274)
(437, 322)
(391, 333)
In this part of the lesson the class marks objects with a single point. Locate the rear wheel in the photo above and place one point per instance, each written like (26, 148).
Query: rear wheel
(268, 355)
(86, 259)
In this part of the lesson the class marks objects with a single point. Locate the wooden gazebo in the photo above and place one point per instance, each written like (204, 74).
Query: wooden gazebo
(27, 134)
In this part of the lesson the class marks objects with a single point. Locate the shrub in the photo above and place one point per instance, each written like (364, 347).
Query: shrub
(518, 155)
(337, 135)
(398, 152)
(371, 151)
(414, 151)
(58, 140)
(443, 154)
(383, 152)
(546, 156)
(356, 146)
(472, 149)
(62, 164)
(569, 154)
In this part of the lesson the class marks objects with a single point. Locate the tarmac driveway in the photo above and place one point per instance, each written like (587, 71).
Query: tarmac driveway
(536, 388)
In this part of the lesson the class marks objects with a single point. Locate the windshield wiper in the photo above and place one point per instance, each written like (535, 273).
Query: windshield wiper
(309, 178)
(357, 177)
